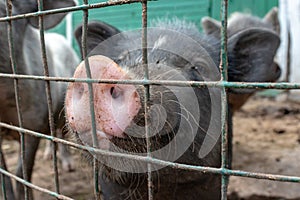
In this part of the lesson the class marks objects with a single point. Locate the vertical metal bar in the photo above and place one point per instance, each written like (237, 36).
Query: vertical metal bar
(3, 167)
(224, 113)
(288, 59)
(91, 99)
(210, 8)
(224, 59)
(223, 67)
(17, 95)
(48, 94)
(147, 95)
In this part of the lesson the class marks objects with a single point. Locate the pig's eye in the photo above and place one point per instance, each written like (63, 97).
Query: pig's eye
(115, 92)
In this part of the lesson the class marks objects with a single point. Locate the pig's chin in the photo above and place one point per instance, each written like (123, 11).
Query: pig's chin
(103, 139)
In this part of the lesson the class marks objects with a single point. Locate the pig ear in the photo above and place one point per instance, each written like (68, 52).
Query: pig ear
(49, 20)
(97, 32)
(272, 18)
(211, 26)
(251, 56)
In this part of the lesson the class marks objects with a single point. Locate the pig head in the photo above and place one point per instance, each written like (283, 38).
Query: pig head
(185, 120)
(237, 23)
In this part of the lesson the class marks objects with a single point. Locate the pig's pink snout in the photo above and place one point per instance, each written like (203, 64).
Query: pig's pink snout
(115, 105)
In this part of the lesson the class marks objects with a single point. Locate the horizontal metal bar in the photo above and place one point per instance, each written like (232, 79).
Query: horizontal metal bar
(219, 84)
(70, 9)
(257, 175)
(273, 177)
(28, 184)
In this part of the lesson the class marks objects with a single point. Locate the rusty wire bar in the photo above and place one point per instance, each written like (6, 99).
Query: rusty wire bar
(2, 165)
(146, 95)
(17, 95)
(48, 94)
(70, 9)
(210, 8)
(91, 99)
(218, 84)
(224, 100)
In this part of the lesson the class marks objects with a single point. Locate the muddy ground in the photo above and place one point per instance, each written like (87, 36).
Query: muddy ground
(266, 139)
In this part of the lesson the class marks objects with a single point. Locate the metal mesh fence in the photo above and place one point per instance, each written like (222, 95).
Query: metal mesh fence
(224, 171)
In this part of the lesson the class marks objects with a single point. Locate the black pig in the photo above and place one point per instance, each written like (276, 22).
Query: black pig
(183, 122)
(240, 22)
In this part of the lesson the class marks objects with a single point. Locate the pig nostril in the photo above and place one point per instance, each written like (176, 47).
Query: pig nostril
(115, 92)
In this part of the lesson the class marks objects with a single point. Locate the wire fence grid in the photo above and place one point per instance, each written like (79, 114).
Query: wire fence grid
(223, 84)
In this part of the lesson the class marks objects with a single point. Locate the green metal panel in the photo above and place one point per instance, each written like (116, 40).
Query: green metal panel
(127, 17)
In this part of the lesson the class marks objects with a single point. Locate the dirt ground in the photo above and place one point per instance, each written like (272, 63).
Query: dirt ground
(266, 139)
